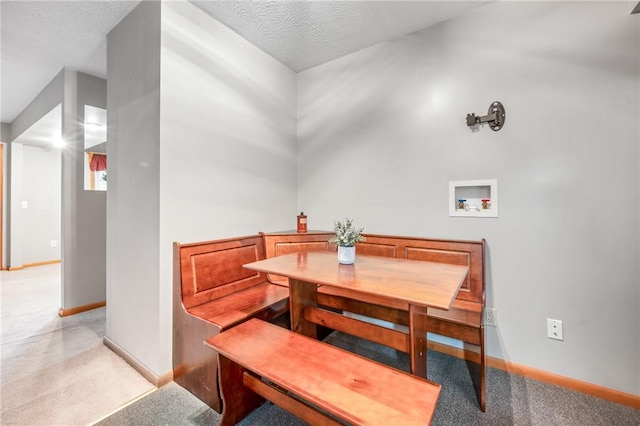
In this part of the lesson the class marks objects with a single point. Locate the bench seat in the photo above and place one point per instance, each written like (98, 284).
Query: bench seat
(323, 379)
(260, 301)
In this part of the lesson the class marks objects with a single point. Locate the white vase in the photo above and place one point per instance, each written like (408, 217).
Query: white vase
(346, 255)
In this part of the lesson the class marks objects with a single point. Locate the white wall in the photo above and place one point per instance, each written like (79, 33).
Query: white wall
(381, 133)
(201, 144)
(84, 220)
(228, 132)
(227, 140)
(35, 205)
(44, 102)
(5, 211)
(5, 137)
(133, 127)
(17, 227)
(41, 191)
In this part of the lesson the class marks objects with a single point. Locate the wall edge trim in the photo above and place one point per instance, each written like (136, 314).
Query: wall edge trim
(72, 311)
(155, 379)
(598, 391)
(31, 265)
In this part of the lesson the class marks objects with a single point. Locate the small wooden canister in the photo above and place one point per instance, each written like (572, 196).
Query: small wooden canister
(302, 223)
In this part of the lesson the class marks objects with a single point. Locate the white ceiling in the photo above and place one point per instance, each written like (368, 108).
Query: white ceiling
(39, 38)
(45, 131)
(303, 34)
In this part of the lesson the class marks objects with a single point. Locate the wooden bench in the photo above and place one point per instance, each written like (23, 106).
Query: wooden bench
(463, 321)
(212, 293)
(313, 380)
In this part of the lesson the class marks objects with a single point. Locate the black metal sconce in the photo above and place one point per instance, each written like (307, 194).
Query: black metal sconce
(495, 117)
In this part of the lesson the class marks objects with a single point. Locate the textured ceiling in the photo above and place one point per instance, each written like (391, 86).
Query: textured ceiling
(303, 34)
(39, 38)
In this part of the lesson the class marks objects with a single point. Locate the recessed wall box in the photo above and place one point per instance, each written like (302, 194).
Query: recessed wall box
(473, 198)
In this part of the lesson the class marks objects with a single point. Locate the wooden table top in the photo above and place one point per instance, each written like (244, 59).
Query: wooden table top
(414, 281)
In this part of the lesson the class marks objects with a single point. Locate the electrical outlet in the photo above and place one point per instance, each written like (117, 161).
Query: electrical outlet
(490, 316)
(54, 243)
(554, 329)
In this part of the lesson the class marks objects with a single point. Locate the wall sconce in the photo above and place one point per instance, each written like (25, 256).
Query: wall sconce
(495, 117)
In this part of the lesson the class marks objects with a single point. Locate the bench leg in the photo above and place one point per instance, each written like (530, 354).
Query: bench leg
(238, 401)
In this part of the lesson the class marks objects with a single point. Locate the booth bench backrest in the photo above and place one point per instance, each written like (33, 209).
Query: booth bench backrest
(456, 252)
(467, 253)
(281, 243)
(212, 270)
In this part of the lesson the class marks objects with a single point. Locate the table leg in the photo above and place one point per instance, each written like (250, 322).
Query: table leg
(301, 295)
(418, 340)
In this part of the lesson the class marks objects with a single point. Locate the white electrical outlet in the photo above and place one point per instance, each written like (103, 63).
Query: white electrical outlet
(490, 316)
(54, 243)
(554, 329)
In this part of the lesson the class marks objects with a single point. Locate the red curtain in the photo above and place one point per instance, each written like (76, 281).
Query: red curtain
(98, 163)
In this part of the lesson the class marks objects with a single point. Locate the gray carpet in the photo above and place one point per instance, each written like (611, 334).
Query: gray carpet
(511, 399)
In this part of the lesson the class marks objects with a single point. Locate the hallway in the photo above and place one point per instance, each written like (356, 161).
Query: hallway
(56, 371)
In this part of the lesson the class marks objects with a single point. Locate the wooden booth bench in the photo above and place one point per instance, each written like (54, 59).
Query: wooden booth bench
(313, 380)
(463, 321)
(212, 293)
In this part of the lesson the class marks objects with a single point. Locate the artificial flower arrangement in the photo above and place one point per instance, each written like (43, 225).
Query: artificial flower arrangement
(347, 235)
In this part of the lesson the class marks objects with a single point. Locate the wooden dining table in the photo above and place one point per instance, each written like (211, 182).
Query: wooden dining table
(420, 284)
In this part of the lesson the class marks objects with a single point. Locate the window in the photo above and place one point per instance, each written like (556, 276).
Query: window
(97, 164)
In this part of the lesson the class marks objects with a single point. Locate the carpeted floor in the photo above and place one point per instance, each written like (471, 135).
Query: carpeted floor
(56, 371)
(511, 399)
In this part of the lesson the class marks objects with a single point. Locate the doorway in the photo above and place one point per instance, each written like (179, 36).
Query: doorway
(36, 210)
